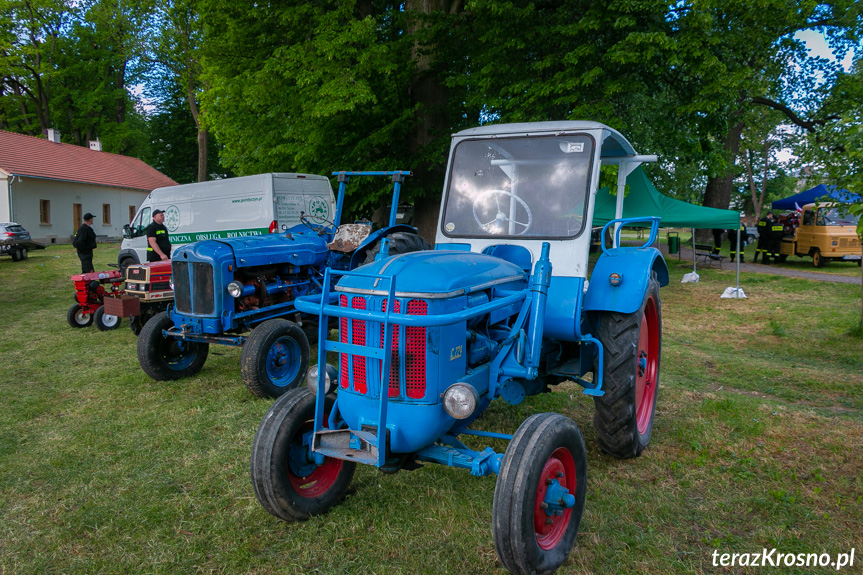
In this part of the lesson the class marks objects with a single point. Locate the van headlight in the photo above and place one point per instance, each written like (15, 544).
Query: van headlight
(460, 400)
(235, 289)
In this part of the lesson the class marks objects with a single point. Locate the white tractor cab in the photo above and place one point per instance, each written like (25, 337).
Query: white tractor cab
(229, 208)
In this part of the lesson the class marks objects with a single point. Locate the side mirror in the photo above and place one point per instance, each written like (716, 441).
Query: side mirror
(127, 232)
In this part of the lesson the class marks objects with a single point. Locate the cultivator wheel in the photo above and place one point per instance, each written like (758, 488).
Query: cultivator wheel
(632, 344)
(287, 481)
(77, 318)
(105, 321)
(539, 495)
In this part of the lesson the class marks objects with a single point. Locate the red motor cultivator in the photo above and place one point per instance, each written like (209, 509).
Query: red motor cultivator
(90, 291)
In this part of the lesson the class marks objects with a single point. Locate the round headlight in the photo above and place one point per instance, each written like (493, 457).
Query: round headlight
(615, 279)
(331, 375)
(460, 400)
(235, 289)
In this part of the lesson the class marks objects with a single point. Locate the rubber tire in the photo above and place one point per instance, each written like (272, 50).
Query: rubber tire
(517, 490)
(783, 258)
(135, 324)
(616, 412)
(123, 264)
(817, 259)
(16, 257)
(400, 243)
(257, 353)
(78, 319)
(290, 416)
(103, 324)
(155, 352)
(22, 254)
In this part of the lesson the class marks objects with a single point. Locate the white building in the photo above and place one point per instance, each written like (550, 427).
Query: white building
(47, 187)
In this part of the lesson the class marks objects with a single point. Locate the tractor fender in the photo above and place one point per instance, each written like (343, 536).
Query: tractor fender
(359, 254)
(634, 266)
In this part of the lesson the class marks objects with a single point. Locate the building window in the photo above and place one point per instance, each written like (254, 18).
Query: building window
(106, 214)
(44, 211)
(132, 210)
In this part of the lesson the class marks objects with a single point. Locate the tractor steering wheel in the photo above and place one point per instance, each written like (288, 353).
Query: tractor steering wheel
(320, 229)
(497, 225)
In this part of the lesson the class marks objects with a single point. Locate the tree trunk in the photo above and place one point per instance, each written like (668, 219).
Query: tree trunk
(719, 187)
(428, 92)
(203, 133)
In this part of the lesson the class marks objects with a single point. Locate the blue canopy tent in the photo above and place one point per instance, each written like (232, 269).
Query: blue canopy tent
(822, 192)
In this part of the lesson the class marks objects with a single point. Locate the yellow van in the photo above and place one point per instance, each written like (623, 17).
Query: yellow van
(824, 233)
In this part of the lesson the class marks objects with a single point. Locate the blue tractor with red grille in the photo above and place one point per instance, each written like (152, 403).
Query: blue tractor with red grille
(501, 309)
(241, 291)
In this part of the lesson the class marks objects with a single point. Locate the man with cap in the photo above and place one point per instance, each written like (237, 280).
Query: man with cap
(159, 245)
(84, 243)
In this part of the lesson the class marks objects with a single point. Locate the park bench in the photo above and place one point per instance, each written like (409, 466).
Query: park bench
(704, 252)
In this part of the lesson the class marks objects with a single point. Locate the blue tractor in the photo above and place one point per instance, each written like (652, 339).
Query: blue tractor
(241, 291)
(499, 310)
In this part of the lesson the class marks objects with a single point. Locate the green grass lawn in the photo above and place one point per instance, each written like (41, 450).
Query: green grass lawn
(758, 443)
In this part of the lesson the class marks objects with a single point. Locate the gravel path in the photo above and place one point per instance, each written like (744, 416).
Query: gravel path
(686, 256)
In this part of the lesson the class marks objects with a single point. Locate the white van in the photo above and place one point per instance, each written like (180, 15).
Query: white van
(230, 208)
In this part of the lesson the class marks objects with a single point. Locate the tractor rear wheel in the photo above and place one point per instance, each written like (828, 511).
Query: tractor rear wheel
(166, 358)
(275, 358)
(539, 495)
(77, 318)
(105, 321)
(632, 345)
(400, 243)
(287, 481)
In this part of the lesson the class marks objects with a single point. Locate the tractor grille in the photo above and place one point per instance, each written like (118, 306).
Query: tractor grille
(193, 287)
(364, 369)
(136, 274)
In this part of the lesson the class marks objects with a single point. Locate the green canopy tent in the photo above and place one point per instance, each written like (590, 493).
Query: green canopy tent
(643, 199)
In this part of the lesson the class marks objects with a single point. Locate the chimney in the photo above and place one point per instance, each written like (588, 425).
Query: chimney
(53, 136)
(96, 145)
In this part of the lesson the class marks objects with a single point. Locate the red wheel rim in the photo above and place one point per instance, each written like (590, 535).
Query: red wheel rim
(647, 365)
(321, 479)
(549, 530)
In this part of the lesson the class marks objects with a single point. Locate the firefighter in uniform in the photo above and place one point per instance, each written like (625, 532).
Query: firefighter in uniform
(158, 243)
(717, 241)
(732, 237)
(776, 233)
(765, 226)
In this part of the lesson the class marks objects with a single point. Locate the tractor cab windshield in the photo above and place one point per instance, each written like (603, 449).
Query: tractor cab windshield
(519, 187)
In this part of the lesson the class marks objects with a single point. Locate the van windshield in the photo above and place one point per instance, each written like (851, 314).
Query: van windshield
(519, 187)
(834, 217)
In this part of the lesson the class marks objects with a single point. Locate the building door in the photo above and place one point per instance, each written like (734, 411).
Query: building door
(77, 214)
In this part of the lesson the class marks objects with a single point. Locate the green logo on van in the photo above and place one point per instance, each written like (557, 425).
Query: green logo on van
(172, 218)
(319, 209)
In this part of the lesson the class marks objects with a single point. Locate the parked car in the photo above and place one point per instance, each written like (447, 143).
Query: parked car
(14, 241)
(751, 235)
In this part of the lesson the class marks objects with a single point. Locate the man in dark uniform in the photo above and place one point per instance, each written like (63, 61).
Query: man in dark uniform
(733, 238)
(158, 243)
(765, 228)
(717, 240)
(776, 233)
(85, 243)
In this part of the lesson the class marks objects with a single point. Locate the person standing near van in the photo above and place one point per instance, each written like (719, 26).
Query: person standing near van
(84, 243)
(158, 242)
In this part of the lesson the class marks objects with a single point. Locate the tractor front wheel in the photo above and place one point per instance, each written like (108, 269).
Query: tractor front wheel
(105, 321)
(287, 481)
(275, 358)
(77, 318)
(166, 358)
(539, 495)
(632, 346)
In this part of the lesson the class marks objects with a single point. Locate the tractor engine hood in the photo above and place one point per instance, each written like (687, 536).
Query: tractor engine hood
(294, 249)
(435, 274)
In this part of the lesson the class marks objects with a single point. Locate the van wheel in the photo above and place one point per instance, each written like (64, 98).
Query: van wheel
(275, 358)
(166, 358)
(125, 263)
(817, 259)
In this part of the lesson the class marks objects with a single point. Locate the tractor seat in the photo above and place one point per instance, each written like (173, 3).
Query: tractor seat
(349, 237)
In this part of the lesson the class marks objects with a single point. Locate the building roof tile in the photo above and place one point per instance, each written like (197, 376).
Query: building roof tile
(34, 157)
